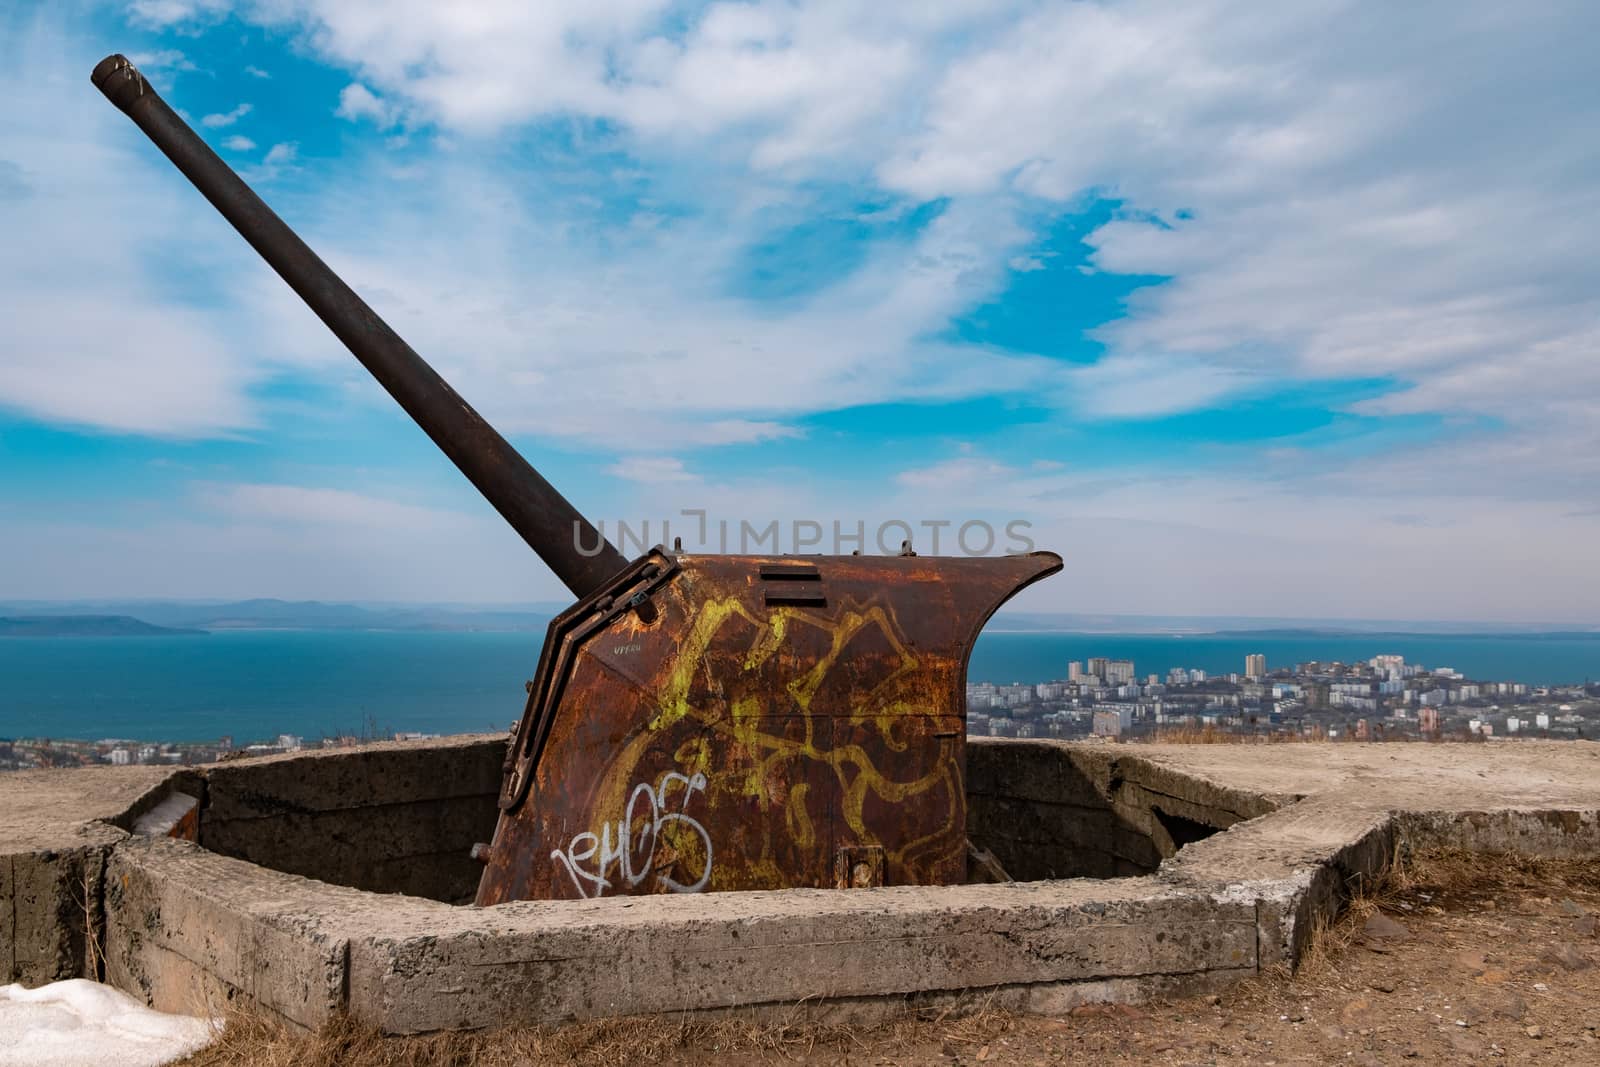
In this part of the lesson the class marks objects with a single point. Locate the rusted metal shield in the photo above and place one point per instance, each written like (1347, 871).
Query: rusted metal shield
(759, 718)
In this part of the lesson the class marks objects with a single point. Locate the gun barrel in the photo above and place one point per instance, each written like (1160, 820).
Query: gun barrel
(533, 507)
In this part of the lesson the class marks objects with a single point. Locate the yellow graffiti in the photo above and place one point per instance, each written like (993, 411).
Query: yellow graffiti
(758, 766)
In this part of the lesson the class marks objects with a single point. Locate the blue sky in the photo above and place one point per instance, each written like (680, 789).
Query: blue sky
(1244, 311)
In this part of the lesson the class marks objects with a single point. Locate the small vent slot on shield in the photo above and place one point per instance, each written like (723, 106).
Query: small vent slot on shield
(792, 583)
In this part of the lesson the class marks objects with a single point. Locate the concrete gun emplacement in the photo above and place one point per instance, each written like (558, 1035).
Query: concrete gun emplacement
(695, 722)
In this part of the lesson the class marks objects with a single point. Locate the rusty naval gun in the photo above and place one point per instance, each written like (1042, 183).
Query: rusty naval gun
(695, 722)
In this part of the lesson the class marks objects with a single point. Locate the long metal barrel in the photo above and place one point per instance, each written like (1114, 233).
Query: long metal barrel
(544, 518)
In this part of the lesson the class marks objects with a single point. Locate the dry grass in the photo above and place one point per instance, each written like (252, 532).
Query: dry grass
(1439, 874)
(89, 899)
(261, 1041)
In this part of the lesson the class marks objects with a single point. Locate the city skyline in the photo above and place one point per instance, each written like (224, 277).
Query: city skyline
(1293, 321)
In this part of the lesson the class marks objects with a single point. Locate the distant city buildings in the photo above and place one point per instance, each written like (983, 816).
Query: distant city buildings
(25, 753)
(1112, 722)
(1381, 699)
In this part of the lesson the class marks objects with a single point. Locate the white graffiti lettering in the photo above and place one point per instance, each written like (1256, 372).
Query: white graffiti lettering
(628, 848)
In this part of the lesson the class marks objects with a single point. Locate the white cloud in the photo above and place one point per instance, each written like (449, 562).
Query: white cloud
(171, 12)
(956, 475)
(736, 432)
(166, 59)
(110, 360)
(357, 102)
(283, 154)
(89, 337)
(279, 540)
(1385, 544)
(650, 469)
(257, 72)
(543, 333)
(1338, 193)
(300, 506)
(239, 143)
(1148, 386)
(227, 118)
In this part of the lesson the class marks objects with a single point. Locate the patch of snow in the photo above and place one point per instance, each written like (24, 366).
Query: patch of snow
(79, 1023)
(165, 815)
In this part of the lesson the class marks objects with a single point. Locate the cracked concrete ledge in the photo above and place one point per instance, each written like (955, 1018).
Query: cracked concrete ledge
(187, 928)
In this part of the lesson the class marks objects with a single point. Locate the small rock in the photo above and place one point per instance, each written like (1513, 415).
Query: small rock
(1471, 962)
(1383, 928)
(1566, 955)
(1383, 985)
(1508, 1006)
(983, 1054)
(1297, 1016)
(1356, 1012)
(1572, 908)
(1534, 1032)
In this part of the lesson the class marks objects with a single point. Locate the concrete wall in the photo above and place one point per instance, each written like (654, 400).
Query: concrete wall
(403, 819)
(1054, 811)
(188, 929)
(55, 835)
(50, 916)
(392, 819)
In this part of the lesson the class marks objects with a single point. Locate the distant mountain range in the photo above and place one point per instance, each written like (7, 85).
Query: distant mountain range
(1232, 625)
(114, 616)
(293, 615)
(84, 626)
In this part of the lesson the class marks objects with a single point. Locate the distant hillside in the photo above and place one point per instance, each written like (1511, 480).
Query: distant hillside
(1267, 626)
(268, 614)
(84, 626)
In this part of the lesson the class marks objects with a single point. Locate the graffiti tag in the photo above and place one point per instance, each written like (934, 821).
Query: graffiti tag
(629, 849)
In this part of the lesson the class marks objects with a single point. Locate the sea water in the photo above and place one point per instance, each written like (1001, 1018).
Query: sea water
(257, 684)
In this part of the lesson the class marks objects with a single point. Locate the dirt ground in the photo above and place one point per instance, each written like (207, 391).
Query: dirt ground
(1458, 958)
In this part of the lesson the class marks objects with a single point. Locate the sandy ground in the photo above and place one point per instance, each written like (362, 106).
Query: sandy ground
(1459, 959)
